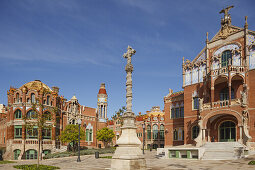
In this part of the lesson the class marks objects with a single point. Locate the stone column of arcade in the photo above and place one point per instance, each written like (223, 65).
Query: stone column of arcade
(128, 156)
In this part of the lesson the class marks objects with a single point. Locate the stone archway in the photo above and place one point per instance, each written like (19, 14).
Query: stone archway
(208, 125)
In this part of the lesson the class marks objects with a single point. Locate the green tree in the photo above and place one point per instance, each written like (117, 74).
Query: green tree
(39, 120)
(105, 135)
(71, 134)
(118, 114)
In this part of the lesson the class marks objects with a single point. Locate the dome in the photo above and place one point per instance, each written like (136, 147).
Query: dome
(36, 85)
(102, 89)
(74, 98)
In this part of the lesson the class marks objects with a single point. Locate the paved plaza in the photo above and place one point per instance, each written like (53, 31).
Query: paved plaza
(88, 162)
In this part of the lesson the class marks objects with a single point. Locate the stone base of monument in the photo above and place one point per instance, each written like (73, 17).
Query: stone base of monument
(128, 156)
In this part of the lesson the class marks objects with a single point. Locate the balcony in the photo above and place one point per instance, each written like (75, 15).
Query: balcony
(224, 70)
(221, 104)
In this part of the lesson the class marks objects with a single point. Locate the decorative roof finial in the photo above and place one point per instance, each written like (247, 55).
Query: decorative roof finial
(227, 18)
(207, 40)
(246, 24)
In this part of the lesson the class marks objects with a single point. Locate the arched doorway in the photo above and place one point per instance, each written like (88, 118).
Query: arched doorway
(227, 131)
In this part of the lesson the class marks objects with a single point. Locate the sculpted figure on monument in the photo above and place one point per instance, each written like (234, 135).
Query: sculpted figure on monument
(244, 96)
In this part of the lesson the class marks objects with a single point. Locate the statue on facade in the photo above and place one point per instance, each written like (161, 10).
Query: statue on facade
(244, 96)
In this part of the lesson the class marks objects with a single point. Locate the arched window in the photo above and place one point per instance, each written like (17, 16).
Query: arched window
(224, 94)
(89, 133)
(31, 154)
(32, 98)
(16, 154)
(48, 100)
(155, 131)
(47, 115)
(161, 135)
(17, 97)
(31, 114)
(18, 114)
(148, 132)
(195, 132)
(175, 134)
(225, 58)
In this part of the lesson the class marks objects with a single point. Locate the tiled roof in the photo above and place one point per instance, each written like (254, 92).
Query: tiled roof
(176, 93)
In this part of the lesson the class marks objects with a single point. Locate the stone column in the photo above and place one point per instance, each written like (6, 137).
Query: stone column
(128, 156)
(203, 135)
(229, 90)
(208, 135)
(212, 96)
(241, 134)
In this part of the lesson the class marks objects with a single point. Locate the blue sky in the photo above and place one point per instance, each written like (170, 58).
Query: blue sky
(78, 44)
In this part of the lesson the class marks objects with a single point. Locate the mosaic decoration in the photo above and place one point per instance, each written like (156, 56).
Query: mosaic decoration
(195, 75)
(236, 60)
(250, 39)
(252, 58)
(202, 70)
(187, 78)
(226, 47)
(202, 57)
(215, 65)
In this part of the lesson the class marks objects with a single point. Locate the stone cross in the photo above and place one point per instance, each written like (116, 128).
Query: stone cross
(129, 70)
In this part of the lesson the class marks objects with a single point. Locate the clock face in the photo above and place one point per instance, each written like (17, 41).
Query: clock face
(102, 100)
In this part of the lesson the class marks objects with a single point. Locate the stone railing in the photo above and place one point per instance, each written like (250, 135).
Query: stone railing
(221, 104)
(237, 69)
(223, 70)
(36, 142)
(220, 71)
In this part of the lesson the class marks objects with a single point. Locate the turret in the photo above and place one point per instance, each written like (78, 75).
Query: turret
(102, 103)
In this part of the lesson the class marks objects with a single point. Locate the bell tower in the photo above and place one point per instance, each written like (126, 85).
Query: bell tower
(102, 103)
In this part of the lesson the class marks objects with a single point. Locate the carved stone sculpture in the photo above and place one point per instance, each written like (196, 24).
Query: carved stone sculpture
(244, 96)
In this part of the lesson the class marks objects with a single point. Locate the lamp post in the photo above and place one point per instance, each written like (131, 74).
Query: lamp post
(79, 123)
(143, 135)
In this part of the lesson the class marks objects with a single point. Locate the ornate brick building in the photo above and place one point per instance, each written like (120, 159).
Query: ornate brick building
(154, 127)
(217, 102)
(21, 143)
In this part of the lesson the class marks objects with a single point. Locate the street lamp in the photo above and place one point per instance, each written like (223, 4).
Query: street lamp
(79, 123)
(143, 135)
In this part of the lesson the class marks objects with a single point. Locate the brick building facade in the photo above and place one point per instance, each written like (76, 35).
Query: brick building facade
(217, 102)
(154, 127)
(21, 143)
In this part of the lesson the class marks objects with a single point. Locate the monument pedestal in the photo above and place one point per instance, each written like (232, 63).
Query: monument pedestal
(128, 156)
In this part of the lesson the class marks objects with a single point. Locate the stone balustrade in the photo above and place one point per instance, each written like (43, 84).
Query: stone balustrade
(221, 104)
(224, 70)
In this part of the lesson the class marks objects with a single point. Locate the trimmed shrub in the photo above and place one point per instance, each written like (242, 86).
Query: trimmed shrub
(251, 163)
(82, 152)
(34, 167)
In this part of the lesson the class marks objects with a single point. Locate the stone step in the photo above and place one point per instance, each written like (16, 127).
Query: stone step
(221, 150)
